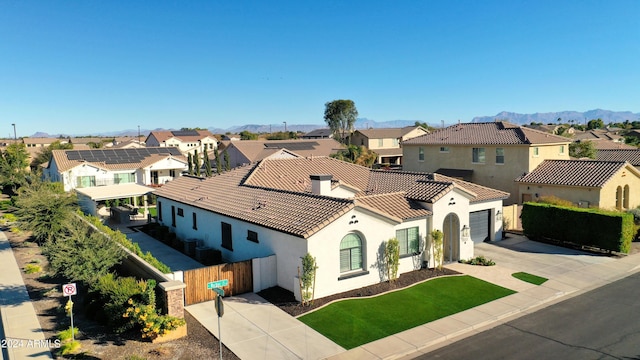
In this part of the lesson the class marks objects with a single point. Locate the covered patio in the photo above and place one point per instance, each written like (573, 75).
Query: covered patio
(89, 197)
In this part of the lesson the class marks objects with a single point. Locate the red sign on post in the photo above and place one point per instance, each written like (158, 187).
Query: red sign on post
(69, 289)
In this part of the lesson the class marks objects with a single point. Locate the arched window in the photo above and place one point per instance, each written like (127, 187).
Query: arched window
(625, 198)
(350, 253)
(619, 198)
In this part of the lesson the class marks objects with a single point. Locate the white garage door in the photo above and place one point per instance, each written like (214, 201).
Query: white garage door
(479, 223)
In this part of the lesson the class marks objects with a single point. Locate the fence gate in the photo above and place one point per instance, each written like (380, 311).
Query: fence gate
(239, 275)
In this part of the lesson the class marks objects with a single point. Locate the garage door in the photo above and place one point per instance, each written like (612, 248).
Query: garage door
(479, 223)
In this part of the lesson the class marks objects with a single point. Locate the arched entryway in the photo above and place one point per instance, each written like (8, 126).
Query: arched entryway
(451, 241)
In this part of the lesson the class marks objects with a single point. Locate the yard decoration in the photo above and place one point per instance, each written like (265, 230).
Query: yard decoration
(437, 236)
(307, 279)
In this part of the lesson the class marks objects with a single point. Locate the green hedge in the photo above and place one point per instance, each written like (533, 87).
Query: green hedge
(606, 230)
(124, 241)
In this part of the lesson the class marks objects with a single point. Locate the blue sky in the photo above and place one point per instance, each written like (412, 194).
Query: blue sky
(85, 67)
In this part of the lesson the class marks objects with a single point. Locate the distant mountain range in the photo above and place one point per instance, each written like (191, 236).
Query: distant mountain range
(363, 123)
(607, 116)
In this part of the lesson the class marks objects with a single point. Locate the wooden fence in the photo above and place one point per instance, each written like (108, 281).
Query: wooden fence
(239, 274)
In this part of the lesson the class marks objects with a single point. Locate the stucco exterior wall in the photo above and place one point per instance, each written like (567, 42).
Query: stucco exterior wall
(374, 231)
(456, 202)
(604, 197)
(518, 159)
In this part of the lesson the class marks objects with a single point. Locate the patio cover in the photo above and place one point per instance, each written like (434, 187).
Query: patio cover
(97, 193)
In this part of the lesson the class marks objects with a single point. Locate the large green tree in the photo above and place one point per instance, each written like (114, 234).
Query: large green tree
(582, 149)
(359, 155)
(81, 254)
(14, 167)
(595, 124)
(340, 115)
(45, 209)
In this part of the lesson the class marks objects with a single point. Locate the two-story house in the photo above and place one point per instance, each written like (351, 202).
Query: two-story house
(188, 141)
(491, 154)
(340, 213)
(386, 142)
(102, 174)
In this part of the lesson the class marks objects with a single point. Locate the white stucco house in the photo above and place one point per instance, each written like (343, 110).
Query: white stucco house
(102, 174)
(340, 213)
(188, 141)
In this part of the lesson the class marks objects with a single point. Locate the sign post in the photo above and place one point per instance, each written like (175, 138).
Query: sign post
(69, 290)
(220, 311)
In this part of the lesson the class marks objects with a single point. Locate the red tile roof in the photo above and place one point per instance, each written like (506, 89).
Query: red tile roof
(493, 133)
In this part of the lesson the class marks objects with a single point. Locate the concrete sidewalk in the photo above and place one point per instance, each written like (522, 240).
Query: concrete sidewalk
(20, 330)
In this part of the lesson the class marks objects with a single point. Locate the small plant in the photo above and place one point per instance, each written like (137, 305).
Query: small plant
(32, 269)
(308, 279)
(16, 230)
(69, 346)
(479, 260)
(9, 218)
(438, 251)
(392, 258)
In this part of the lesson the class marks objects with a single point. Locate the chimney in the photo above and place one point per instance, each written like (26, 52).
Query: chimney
(321, 184)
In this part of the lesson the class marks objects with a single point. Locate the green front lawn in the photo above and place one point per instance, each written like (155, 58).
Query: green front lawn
(533, 279)
(351, 323)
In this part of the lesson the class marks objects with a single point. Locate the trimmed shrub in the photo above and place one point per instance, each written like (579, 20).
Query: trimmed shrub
(602, 229)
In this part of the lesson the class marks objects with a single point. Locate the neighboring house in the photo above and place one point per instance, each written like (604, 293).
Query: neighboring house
(101, 174)
(490, 154)
(318, 134)
(340, 213)
(89, 140)
(41, 142)
(386, 142)
(125, 143)
(587, 183)
(188, 141)
(632, 156)
(231, 137)
(250, 151)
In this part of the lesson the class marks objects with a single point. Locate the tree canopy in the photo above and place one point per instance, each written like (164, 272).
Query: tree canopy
(595, 124)
(582, 149)
(14, 166)
(340, 115)
(44, 156)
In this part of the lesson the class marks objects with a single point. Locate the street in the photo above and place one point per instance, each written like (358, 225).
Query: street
(601, 324)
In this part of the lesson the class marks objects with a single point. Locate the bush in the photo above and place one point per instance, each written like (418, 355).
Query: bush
(602, 229)
(479, 260)
(32, 268)
(108, 299)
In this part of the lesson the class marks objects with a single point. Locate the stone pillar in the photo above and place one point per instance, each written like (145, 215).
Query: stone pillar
(173, 298)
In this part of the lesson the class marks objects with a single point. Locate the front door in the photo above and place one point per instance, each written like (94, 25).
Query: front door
(154, 177)
(451, 241)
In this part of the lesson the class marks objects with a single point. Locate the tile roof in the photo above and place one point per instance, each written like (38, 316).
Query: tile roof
(586, 173)
(256, 150)
(299, 214)
(602, 144)
(318, 133)
(631, 156)
(596, 135)
(276, 193)
(114, 159)
(387, 133)
(184, 136)
(493, 133)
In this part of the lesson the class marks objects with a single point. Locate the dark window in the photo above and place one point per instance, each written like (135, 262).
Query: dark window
(195, 221)
(252, 236)
(173, 216)
(160, 210)
(227, 241)
(180, 212)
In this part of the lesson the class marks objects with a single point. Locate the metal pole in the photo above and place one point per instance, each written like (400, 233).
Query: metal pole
(219, 338)
(15, 137)
(71, 314)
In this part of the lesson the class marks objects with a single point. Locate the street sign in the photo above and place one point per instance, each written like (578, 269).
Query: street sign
(219, 291)
(69, 289)
(219, 306)
(218, 284)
